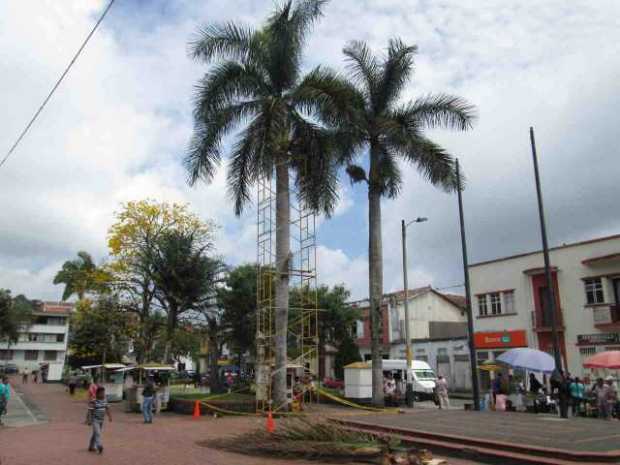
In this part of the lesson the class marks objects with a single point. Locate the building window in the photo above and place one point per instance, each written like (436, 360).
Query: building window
(60, 338)
(482, 305)
(496, 303)
(594, 290)
(509, 302)
(359, 330)
(6, 354)
(50, 355)
(31, 355)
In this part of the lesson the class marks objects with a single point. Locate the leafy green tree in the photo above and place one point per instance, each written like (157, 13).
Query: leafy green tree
(100, 332)
(15, 315)
(378, 123)
(185, 277)
(335, 320)
(256, 85)
(238, 302)
(81, 276)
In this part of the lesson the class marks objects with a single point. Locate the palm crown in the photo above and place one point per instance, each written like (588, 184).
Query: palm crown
(393, 130)
(255, 84)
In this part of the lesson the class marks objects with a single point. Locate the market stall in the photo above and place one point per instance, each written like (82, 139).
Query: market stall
(109, 377)
(159, 374)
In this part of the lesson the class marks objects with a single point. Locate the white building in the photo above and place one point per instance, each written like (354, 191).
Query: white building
(511, 309)
(44, 344)
(438, 330)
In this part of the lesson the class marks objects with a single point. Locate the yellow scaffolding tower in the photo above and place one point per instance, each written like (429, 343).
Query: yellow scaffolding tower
(303, 328)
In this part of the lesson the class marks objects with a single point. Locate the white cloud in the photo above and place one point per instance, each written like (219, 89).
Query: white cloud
(118, 126)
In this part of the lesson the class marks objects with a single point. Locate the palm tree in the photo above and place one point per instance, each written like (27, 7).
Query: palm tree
(255, 85)
(391, 131)
(77, 275)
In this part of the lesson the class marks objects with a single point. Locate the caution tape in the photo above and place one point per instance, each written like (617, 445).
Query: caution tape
(348, 403)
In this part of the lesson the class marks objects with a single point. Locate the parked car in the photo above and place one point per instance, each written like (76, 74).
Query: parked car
(9, 369)
(333, 383)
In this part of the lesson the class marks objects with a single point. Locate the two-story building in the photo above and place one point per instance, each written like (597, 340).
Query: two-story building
(43, 345)
(511, 309)
(437, 327)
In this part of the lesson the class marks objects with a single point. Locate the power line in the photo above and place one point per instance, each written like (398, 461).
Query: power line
(49, 96)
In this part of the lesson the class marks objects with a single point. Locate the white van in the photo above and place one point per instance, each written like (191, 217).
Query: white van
(358, 378)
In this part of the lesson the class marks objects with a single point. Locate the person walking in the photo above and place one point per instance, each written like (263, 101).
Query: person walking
(601, 390)
(72, 384)
(25, 374)
(612, 397)
(5, 395)
(577, 390)
(97, 409)
(442, 393)
(148, 395)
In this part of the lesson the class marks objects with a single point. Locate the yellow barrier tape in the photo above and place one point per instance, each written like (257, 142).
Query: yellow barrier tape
(348, 403)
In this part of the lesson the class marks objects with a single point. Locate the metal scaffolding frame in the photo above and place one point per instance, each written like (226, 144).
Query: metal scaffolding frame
(303, 328)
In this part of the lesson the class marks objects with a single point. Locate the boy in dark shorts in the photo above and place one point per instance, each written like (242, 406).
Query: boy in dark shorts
(97, 409)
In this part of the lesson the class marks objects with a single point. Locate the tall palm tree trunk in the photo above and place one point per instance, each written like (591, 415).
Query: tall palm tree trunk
(283, 247)
(375, 265)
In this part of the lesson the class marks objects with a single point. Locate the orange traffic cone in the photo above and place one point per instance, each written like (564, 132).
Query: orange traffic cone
(196, 409)
(271, 425)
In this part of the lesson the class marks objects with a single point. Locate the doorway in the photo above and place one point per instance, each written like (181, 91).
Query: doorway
(616, 286)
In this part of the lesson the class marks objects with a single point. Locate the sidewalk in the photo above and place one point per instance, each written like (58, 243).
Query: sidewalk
(21, 412)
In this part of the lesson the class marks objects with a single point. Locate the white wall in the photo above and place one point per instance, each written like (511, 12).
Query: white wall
(578, 318)
(424, 309)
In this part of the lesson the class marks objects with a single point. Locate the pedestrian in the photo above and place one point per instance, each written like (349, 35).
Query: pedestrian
(25, 376)
(535, 385)
(148, 394)
(5, 395)
(72, 384)
(97, 409)
(612, 397)
(497, 387)
(577, 390)
(34, 376)
(92, 389)
(561, 390)
(601, 390)
(442, 393)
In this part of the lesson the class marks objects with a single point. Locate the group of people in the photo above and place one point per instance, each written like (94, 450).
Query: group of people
(26, 373)
(566, 393)
(393, 395)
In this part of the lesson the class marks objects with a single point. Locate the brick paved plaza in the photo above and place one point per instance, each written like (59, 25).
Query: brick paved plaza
(60, 437)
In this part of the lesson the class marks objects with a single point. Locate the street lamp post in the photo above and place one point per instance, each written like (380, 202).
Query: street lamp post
(409, 391)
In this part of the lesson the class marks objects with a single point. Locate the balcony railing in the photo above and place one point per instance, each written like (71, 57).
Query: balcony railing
(606, 314)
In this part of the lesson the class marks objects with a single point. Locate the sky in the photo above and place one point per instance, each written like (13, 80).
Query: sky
(118, 128)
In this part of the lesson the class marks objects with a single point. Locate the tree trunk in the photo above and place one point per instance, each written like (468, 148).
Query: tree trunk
(375, 275)
(170, 327)
(214, 354)
(283, 247)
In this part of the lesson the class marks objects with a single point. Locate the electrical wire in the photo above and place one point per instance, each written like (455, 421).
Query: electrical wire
(49, 96)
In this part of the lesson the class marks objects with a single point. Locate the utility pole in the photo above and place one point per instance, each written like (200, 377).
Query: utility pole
(549, 281)
(473, 360)
(409, 395)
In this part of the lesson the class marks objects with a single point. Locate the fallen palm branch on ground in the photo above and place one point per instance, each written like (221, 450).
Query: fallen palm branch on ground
(320, 440)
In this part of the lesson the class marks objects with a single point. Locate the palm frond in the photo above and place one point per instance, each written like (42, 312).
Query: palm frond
(441, 110)
(204, 155)
(325, 94)
(364, 69)
(284, 37)
(227, 84)
(315, 163)
(395, 72)
(388, 177)
(225, 41)
(247, 161)
(435, 164)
